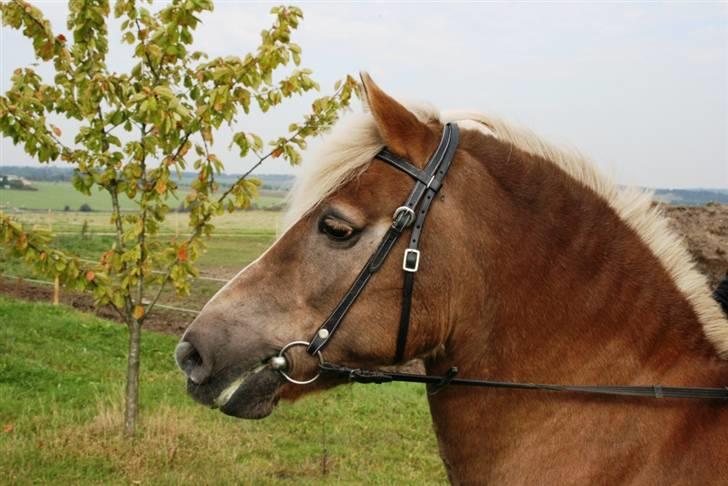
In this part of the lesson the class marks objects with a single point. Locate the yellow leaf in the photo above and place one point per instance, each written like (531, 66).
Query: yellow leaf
(207, 134)
(138, 312)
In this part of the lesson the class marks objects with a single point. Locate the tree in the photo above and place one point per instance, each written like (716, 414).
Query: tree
(167, 109)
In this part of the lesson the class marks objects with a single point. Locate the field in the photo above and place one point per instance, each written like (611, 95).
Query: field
(61, 378)
(239, 239)
(57, 195)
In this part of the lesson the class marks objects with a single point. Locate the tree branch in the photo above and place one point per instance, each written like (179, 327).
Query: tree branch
(146, 54)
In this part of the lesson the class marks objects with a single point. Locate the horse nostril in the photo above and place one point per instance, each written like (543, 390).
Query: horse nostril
(190, 361)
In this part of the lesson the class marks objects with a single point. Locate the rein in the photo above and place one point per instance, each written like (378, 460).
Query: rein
(655, 391)
(364, 376)
(414, 212)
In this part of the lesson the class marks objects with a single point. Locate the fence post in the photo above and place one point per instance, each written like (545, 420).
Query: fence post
(56, 290)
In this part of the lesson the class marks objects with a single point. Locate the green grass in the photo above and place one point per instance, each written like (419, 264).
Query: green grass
(58, 195)
(61, 380)
(237, 223)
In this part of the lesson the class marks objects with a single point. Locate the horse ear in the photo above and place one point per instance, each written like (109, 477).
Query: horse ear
(403, 133)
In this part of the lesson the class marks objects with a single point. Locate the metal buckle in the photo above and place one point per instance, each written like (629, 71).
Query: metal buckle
(280, 366)
(410, 213)
(414, 266)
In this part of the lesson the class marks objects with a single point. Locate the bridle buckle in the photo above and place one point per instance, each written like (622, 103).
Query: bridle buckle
(408, 211)
(411, 260)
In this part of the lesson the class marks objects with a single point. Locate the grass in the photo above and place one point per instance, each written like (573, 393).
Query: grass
(58, 195)
(61, 379)
(238, 223)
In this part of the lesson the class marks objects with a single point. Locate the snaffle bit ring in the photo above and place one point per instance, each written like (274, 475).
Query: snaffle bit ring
(279, 363)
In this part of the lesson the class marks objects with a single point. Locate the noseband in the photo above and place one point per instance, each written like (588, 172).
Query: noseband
(414, 211)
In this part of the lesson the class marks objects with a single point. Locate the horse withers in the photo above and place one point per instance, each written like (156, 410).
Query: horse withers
(532, 267)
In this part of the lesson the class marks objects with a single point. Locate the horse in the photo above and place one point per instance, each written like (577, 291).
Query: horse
(534, 267)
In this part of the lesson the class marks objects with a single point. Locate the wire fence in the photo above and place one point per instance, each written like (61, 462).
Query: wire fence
(87, 230)
(160, 272)
(48, 282)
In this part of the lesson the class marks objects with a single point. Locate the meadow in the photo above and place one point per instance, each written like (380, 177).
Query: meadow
(57, 195)
(239, 238)
(61, 380)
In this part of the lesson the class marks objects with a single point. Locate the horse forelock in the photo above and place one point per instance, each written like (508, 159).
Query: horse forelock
(352, 144)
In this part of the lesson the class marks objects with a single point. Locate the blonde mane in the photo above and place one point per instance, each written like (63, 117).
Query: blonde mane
(354, 142)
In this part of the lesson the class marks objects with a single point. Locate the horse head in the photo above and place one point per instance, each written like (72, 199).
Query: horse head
(340, 212)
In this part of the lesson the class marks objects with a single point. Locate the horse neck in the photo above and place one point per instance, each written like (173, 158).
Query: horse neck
(568, 286)
(567, 293)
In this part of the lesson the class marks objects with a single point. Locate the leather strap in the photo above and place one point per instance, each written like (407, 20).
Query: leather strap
(648, 391)
(427, 183)
(436, 173)
(402, 165)
(331, 324)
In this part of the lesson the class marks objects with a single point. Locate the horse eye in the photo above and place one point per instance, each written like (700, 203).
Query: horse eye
(335, 229)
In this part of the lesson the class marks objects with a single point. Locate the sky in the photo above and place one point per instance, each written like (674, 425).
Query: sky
(641, 88)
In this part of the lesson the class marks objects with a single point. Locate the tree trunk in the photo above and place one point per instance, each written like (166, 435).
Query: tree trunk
(132, 377)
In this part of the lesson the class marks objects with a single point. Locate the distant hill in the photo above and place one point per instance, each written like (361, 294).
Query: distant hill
(283, 182)
(691, 197)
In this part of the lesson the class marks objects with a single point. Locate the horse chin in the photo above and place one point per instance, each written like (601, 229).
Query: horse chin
(254, 397)
(245, 393)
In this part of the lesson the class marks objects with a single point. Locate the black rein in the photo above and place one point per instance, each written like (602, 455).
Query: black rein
(652, 391)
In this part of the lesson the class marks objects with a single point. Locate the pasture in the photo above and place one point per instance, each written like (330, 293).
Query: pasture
(57, 195)
(239, 238)
(61, 380)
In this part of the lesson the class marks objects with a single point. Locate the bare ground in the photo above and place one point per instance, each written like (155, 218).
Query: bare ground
(160, 320)
(705, 228)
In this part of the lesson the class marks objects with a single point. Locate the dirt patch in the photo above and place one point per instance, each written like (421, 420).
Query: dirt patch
(161, 320)
(705, 228)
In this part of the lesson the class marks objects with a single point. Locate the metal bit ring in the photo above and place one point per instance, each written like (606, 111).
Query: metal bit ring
(281, 370)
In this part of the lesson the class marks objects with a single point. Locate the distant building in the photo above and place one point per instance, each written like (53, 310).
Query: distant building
(15, 182)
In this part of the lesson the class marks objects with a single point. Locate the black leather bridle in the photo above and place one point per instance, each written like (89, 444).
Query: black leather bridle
(413, 213)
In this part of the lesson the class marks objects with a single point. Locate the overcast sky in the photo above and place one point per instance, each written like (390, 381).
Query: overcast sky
(640, 88)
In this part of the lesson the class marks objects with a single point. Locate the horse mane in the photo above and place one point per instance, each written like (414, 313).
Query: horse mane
(353, 143)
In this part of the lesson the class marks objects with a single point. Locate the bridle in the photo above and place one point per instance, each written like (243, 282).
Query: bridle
(414, 210)
(414, 213)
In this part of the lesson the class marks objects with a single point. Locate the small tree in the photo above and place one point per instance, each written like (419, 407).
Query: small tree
(170, 106)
